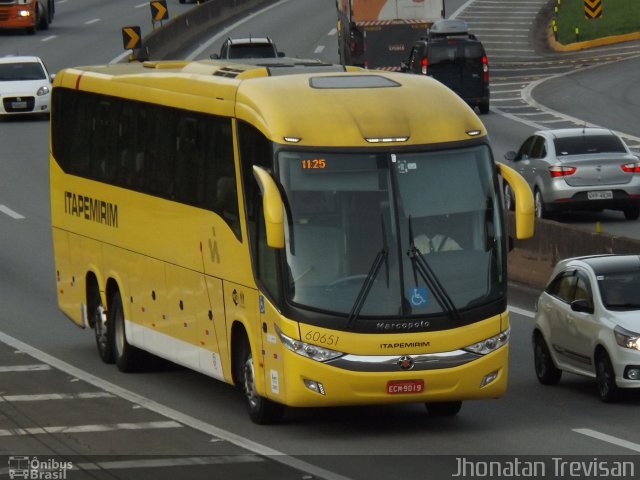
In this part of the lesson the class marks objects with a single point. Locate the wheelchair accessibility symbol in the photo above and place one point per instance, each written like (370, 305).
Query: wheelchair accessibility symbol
(418, 296)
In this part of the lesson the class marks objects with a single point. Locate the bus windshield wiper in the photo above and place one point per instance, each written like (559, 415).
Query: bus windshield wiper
(420, 266)
(381, 257)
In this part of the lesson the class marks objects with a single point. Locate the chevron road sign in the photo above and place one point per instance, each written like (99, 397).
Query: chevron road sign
(131, 37)
(593, 8)
(159, 10)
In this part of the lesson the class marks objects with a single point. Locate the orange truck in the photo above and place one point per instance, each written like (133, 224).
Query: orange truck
(380, 33)
(29, 15)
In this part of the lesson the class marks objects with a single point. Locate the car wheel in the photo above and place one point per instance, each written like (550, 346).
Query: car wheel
(540, 210)
(443, 409)
(546, 371)
(261, 410)
(127, 357)
(102, 328)
(632, 213)
(484, 107)
(606, 379)
(509, 200)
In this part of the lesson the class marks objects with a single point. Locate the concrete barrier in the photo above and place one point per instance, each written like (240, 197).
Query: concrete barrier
(167, 42)
(532, 260)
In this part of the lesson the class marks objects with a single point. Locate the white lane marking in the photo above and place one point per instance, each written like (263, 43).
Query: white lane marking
(168, 462)
(92, 21)
(49, 38)
(318, 49)
(54, 396)
(24, 368)
(608, 438)
(141, 5)
(521, 311)
(168, 412)
(332, 32)
(18, 432)
(7, 211)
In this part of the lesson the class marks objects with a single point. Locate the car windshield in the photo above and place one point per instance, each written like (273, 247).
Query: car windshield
(619, 291)
(251, 51)
(10, 72)
(587, 144)
(354, 218)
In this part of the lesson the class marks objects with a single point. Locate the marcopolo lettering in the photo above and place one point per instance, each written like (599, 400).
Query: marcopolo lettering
(91, 209)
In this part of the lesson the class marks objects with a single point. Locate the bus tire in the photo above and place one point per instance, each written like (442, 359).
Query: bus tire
(444, 409)
(127, 357)
(261, 410)
(102, 328)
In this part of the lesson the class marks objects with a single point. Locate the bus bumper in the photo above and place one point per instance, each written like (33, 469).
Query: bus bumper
(312, 384)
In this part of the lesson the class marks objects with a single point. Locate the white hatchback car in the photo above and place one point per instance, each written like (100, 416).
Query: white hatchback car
(25, 86)
(588, 322)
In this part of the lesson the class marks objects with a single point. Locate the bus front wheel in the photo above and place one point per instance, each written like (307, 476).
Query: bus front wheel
(261, 410)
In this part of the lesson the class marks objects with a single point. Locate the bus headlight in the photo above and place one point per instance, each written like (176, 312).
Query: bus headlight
(314, 352)
(490, 344)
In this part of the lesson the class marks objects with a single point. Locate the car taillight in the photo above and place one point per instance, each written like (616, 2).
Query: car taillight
(631, 167)
(423, 65)
(561, 171)
(485, 68)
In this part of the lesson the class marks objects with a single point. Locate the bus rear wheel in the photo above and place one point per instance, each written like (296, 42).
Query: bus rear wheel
(261, 410)
(102, 329)
(443, 409)
(127, 357)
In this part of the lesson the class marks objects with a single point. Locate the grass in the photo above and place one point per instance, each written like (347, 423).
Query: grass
(618, 17)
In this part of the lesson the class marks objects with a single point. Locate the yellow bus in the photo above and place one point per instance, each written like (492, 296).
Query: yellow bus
(316, 235)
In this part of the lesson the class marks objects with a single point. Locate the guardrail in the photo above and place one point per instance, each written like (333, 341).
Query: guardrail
(167, 42)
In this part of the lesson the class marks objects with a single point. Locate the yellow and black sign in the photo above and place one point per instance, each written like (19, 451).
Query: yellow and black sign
(131, 37)
(593, 8)
(159, 10)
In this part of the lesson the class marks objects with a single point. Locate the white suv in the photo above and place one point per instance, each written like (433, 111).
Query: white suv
(588, 322)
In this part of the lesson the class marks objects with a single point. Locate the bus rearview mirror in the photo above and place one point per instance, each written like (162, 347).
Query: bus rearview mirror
(272, 208)
(524, 201)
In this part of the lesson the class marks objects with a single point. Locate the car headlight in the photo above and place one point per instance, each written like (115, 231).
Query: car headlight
(627, 339)
(314, 352)
(42, 91)
(490, 344)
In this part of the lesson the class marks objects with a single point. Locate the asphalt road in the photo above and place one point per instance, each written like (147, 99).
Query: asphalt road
(169, 422)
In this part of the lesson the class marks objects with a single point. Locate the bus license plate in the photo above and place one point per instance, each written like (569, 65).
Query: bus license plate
(603, 195)
(395, 387)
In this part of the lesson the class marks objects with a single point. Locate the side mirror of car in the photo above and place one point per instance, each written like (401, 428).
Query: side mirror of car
(510, 156)
(281, 54)
(214, 56)
(581, 306)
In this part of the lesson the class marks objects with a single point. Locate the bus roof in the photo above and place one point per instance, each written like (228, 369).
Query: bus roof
(319, 104)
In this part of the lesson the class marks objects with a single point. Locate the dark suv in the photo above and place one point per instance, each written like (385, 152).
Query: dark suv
(456, 58)
(252, 47)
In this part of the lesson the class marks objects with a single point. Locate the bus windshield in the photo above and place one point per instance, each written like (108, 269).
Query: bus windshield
(358, 216)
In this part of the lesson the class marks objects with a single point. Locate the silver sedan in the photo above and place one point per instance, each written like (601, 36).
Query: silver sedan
(577, 169)
(587, 322)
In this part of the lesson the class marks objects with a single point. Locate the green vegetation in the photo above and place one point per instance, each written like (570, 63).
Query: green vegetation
(618, 17)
